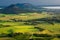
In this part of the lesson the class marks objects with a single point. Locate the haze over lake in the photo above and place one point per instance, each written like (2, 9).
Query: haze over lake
(56, 7)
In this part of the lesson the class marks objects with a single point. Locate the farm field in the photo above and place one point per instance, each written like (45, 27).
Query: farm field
(33, 26)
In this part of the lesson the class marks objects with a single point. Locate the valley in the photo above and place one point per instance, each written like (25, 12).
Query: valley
(30, 26)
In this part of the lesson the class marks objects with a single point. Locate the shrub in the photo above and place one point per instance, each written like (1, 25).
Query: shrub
(10, 33)
(42, 35)
(22, 36)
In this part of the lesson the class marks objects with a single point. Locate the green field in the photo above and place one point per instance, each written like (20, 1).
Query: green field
(30, 23)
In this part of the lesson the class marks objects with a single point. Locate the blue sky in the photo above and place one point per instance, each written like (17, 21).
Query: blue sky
(35, 2)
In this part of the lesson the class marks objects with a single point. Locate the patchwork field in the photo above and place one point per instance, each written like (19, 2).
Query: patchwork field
(33, 24)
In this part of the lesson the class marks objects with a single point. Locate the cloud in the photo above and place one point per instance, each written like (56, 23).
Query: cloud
(37, 2)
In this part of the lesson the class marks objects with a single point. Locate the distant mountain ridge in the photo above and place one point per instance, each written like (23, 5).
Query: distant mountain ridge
(26, 8)
(20, 8)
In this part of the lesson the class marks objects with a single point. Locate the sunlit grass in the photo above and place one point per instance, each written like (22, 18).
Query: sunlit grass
(22, 29)
(25, 28)
(24, 16)
(54, 28)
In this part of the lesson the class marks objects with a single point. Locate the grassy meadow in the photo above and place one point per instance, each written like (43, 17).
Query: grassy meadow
(29, 26)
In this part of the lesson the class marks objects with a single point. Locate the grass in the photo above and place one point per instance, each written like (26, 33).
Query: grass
(56, 39)
(7, 38)
(28, 16)
(54, 28)
(25, 28)
(20, 27)
(25, 17)
(12, 23)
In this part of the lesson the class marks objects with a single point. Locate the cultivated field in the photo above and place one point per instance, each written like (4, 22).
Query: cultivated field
(29, 26)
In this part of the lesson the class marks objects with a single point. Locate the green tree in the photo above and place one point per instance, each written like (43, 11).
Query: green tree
(25, 36)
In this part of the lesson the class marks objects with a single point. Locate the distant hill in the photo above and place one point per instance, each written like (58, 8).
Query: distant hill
(27, 8)
(3, 6)
(20, 8)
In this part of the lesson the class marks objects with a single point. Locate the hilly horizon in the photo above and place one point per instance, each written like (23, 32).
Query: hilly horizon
(20, 8)
(26, 8)
(29, 19)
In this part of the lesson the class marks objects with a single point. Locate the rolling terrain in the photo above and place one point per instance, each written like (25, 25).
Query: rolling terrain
(32, 23)
(28, 22)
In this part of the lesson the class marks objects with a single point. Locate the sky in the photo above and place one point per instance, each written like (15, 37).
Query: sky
(35, 2)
